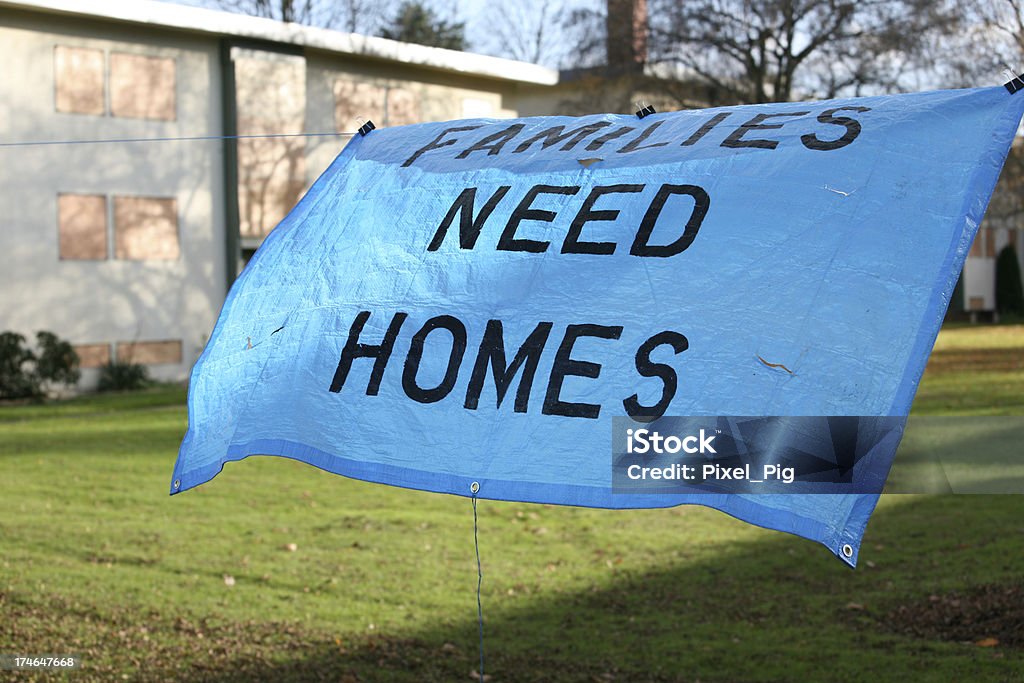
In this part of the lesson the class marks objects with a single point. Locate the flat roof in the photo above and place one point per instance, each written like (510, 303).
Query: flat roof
(214, 22)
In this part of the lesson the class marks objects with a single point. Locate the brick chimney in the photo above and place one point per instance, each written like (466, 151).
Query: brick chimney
(627, 33)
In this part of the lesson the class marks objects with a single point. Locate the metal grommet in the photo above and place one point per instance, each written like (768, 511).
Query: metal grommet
(474, 487)
(177, 484)
(847, 550)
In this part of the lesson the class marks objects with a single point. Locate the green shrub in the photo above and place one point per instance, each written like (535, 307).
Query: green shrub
(25, 373)
(123, 376)
(1009, 290)
(57, 361)
(16, 367)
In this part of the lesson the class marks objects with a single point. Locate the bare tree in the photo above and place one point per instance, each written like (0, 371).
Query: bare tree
(362, 16)
(354, 16)
(780, 50)
(525, 30)
(585, 32)
(996, 37)
(991, 42)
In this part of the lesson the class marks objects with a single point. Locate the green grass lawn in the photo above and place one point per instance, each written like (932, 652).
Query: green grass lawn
(278, 571)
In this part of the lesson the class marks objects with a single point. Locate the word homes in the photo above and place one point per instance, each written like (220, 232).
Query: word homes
(500, 363)
(571, 213)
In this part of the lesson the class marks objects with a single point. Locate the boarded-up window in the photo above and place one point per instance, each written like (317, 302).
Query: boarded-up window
(78, 80)
(402, 107)
(272, 171)
(358, 102)
(93, 355)
(976, 303)
(146, 228)
(82, 223)
(150, 352)
(271, 99)
(354, 101)
(977, 244)
(142, 87)
(990, 242)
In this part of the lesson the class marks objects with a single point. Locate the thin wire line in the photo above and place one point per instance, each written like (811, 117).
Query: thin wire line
(479, 581)
(35, 143)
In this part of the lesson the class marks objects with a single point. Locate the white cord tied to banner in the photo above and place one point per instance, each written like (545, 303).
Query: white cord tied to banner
(474, 488)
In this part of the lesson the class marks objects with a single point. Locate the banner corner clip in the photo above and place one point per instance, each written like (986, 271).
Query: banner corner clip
(644, 110)
(1014, 83)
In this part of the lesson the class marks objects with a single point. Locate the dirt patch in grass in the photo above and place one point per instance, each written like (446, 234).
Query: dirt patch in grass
(117, 643)
(975, 360)
(991, 615)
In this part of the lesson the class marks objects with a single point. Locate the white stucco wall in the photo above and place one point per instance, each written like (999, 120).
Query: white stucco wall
(979, 283)
(111, 300)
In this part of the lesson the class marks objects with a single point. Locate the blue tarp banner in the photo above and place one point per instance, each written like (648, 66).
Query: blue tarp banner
(474, 301)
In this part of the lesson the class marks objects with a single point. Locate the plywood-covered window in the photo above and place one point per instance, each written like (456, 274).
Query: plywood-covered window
(990, 242)
(271, 99)
(982, 245)
(402, 107)
(150, 352)
(146, 228)
(79, 80)
(82, 224)
(355, 102)
(142, 87)
(272, 175)
(978, 245)
(92, 355)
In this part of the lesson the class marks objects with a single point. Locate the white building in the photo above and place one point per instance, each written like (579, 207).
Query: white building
(127, 249)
